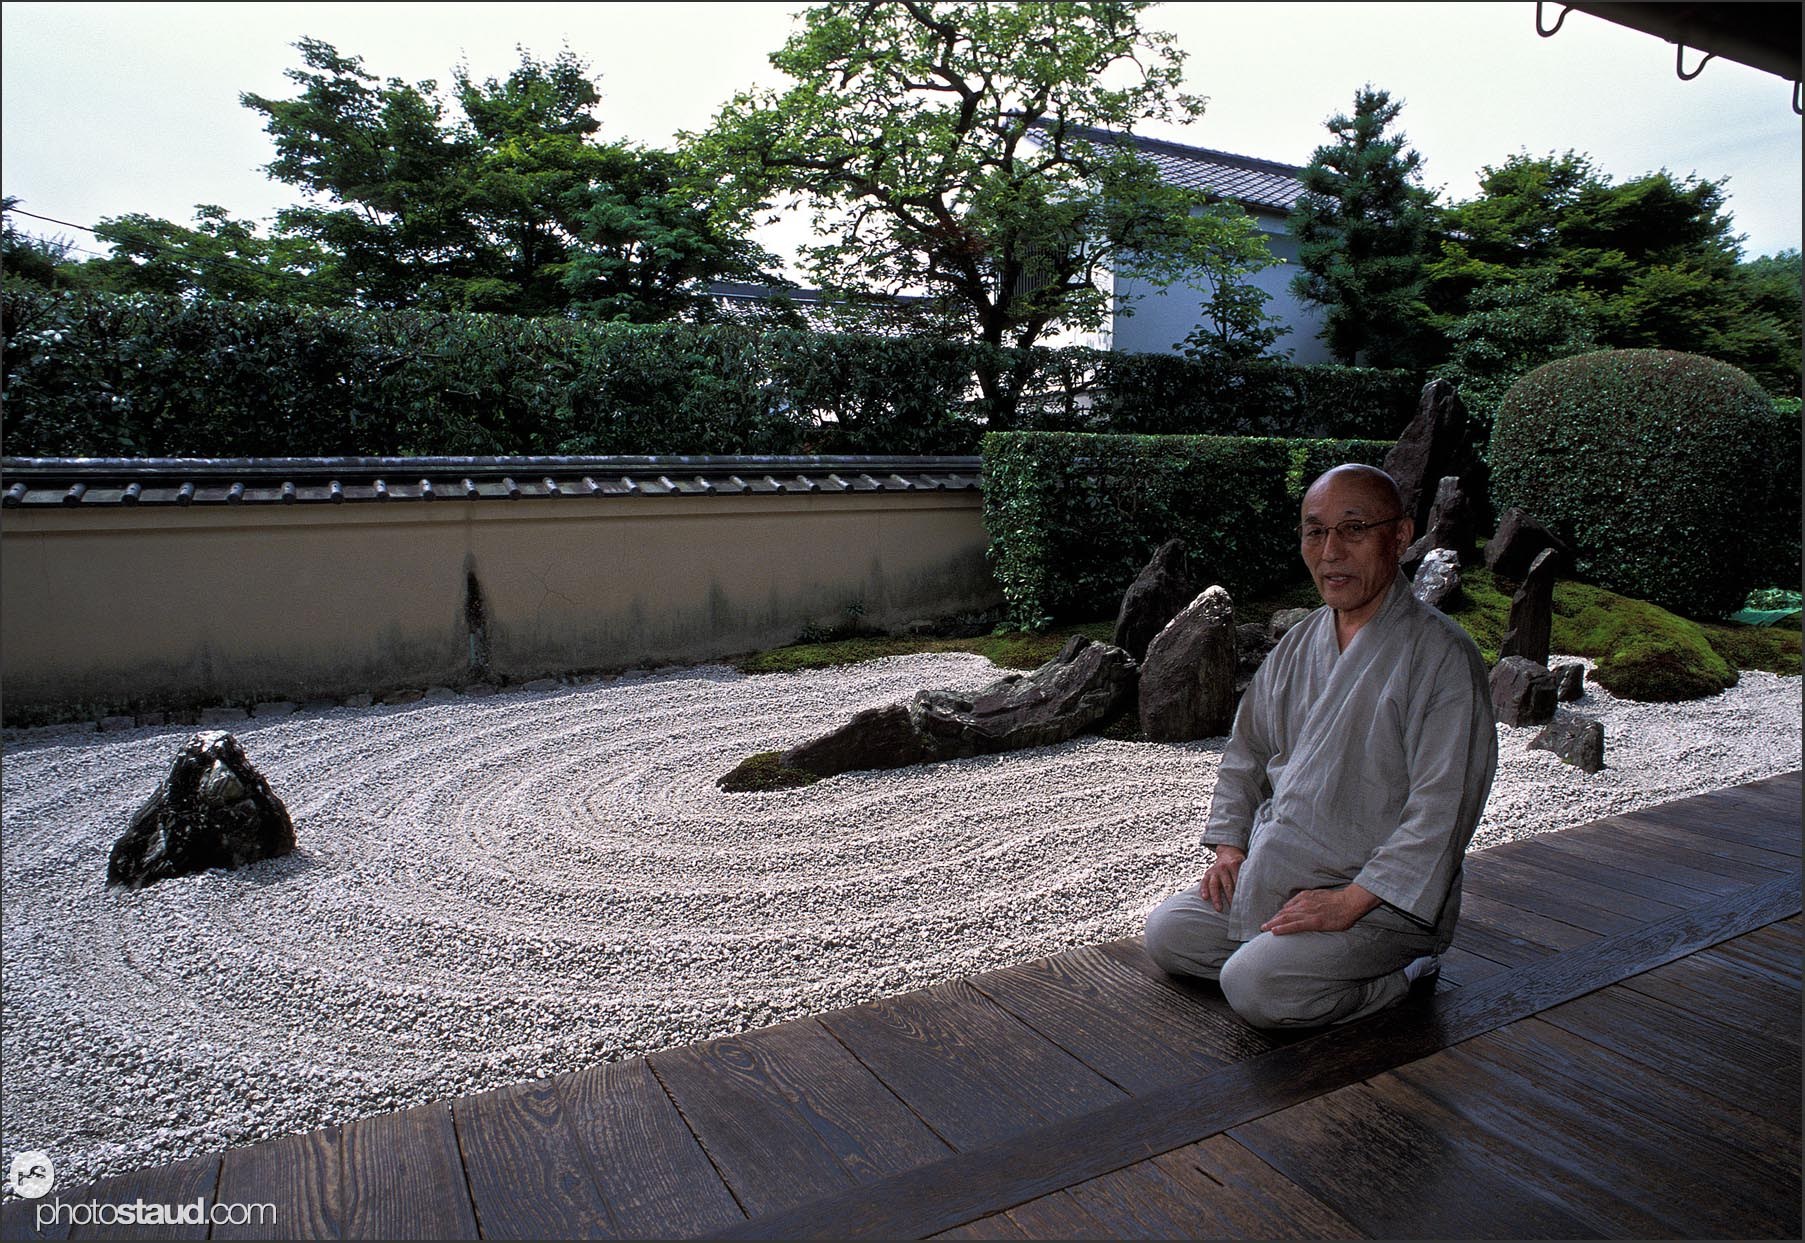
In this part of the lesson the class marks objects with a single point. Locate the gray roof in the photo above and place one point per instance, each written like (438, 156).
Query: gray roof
(1242, 179)
(90, 482)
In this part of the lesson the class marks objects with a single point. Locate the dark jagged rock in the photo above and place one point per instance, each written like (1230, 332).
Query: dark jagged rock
(1155, 597)
(1579, 740)
(1283, 620)
(1437, 581)
(1572, 682)
(1253, 644)
(1188, 679)
(213, 810)
(1532, 612)
(1450, 525)
(1522, 692)
(1430, 448)
(1518, 539)
(874, 738)
(1083, 686)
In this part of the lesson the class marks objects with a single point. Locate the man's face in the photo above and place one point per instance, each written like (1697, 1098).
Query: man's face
(1353, 578)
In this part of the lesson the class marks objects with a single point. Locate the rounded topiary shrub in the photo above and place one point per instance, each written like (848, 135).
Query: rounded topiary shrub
(1670, 474)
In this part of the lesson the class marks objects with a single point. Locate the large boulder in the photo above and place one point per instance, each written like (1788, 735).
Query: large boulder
(1532, 612)
(1282, 621)
(1155, 597)
(1449, 525)
(875, 738)
(1188, 679)
(1085, 685)
(1437, 581)
(1522, 692)
(1517, 541)
(1576, 739)
(213, 810)
(1431, 447)
(1572, 682)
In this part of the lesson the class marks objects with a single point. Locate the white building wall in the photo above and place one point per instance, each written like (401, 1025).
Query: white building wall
(1154, 320)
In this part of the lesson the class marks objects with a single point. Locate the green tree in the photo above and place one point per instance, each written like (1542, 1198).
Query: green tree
(513, 205)
(36, 260)
(960, 151)
(1235, 325)
(1363, 225)
(219, 258)
(1511, 328)
(1652, 260)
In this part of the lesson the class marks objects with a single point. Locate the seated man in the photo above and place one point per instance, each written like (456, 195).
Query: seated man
(1361, 758)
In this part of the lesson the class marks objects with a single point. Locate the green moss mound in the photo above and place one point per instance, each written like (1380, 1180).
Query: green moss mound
(1642, 651)
(1672, 475)
(1014, 649)
(761, 772)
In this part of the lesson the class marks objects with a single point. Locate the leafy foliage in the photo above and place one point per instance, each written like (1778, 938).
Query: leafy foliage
(1508, 331)
(1362, 225)
(1073, 517)
(1671, 475)
(100, 374)
(959, 149)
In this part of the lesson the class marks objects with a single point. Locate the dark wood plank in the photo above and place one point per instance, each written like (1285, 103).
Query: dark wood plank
(1738, 816)
(974, 1072)
(19, 1220)
(962, 1188)
(1588, 1073)
(652, 1172)
(1461, 966)
(1587, 855)
(1527, 925)
(528, 1176)
(1715, 1057)
(1134, 1031)
(183, 1191)
(1694, 841)
(1619, 1168)
(1749, 1000)
(1140, 1201)
(1557, 896)
(996, 1226)
(1056, 1216)
(1247, 1198)
(404, 1177)
(1367, 1153)
(1624, 1144)
(1241, 1041)
(1620, 846)
(302, 1175)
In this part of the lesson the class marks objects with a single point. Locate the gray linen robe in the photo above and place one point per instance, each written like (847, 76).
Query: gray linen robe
(1368, 766)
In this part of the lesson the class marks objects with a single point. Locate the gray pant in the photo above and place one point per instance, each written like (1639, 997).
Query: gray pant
(1301, 979)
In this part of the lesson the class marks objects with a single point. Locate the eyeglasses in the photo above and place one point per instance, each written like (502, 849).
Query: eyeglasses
(1352, 531)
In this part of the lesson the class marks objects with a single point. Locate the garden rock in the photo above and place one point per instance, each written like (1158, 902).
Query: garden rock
(213, 810)
(1155, 597)
(1522, 692)
(1579, 740)
(1252, 646)
(1188, 679)
(1085, 685)
(1532, 612)
(1437, 580)
(1450, 524)
(1428, 449)
(1518, 539)
(1283, 620)
(874, 738)
(1572, 682)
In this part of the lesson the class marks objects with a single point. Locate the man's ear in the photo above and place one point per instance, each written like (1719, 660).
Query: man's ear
(1406, 534)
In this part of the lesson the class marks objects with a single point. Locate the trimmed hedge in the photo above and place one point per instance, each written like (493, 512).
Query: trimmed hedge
(110, 375)
(1673, 476)
(1073, 517)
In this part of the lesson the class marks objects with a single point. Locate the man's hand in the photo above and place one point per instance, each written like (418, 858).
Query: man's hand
(1218, 884)
(1321, 910)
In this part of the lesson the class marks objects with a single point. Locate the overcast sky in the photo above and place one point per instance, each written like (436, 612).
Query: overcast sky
(113, 108)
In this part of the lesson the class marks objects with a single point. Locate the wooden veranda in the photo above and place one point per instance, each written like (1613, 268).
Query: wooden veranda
(1613, 1050)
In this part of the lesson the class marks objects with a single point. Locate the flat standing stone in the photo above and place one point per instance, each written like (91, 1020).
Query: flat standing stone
(1531, 622)
(1522, 692)
(1188, 679)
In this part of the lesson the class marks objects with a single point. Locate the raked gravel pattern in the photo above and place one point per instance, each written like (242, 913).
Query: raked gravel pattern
(494, 889)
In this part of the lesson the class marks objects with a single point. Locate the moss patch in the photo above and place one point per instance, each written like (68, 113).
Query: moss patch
(1773, 649)
(1642, 651)
(1014, 649)
(763, 772)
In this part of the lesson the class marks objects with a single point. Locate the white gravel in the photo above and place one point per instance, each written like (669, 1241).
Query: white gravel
(494, 889)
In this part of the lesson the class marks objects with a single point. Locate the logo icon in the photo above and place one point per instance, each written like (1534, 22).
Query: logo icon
(32, 1174)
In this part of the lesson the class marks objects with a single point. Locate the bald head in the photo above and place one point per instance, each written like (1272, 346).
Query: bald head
(1367, 482)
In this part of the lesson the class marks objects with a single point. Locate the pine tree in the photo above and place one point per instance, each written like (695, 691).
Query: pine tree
(1363, 226)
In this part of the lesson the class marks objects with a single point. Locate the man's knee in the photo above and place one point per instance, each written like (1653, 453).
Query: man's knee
(1182, 939)
(1266, 993)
